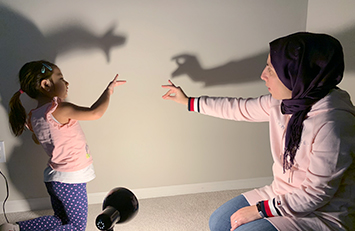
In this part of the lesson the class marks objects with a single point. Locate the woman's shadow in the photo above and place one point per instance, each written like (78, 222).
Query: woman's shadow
(21, 41)
(248, 69)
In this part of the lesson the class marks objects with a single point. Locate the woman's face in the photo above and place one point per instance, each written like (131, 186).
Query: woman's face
(277, 89)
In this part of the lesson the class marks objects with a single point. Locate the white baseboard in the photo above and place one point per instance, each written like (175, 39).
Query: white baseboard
(144, 193)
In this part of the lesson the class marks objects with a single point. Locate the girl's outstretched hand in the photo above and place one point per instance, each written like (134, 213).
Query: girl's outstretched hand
(114, 83)
(175, 93)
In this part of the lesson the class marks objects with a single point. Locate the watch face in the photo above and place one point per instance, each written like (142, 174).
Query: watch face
(261, 214)
(258, 205)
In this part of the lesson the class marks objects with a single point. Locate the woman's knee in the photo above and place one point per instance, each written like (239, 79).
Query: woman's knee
(216, 222)
(220, 218)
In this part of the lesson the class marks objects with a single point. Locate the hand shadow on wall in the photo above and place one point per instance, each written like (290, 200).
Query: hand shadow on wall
(20, 42)
(248, 69)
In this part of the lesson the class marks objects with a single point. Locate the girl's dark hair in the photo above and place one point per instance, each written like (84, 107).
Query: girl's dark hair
(31, 74)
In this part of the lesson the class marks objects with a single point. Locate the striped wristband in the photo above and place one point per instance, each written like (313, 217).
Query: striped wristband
(268, 209)
(194, 104)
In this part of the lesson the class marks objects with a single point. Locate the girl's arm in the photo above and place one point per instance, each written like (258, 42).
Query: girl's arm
(66, 110)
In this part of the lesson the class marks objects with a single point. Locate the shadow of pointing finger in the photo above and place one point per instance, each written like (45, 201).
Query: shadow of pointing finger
(230, 73)
(248, 69)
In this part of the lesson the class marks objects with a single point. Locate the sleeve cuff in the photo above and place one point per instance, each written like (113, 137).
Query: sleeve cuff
(269, 208)
(194, 104)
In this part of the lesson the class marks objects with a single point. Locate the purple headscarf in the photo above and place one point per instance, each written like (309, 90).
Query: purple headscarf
(310, 65)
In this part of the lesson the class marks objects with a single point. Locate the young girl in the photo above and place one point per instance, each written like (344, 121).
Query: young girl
(55, 126)
(312, 137)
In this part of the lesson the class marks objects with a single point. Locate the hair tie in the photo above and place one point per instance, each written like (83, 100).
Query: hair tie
(43, 70)
(20, 91)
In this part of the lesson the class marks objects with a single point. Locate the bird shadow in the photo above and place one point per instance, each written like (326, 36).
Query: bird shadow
(247, 69)
(21, 41)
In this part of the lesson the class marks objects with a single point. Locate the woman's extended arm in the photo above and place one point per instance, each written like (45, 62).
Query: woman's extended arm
(175, 93)
(240, 109)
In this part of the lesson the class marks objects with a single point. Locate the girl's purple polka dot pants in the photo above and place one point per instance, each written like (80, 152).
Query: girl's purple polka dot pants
(70, 205)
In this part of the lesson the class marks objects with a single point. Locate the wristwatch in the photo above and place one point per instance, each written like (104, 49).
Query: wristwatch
(258, 205)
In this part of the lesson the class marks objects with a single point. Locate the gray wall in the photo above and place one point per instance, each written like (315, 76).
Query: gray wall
(338, 19)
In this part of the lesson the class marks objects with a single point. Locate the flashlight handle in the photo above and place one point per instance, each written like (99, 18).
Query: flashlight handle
(108, 218)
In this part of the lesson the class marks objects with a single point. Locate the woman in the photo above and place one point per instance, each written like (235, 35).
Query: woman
(312, 137)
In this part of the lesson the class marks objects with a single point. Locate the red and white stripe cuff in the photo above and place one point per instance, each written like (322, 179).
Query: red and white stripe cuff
(194, 104)
(269, 208)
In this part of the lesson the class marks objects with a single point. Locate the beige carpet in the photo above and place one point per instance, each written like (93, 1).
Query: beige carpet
(176, 213)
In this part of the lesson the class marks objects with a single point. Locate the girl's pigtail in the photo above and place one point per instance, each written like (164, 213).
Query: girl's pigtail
(17, 114)
(31, 74)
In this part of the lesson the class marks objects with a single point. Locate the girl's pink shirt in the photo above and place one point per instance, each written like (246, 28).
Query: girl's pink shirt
(65, 144)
